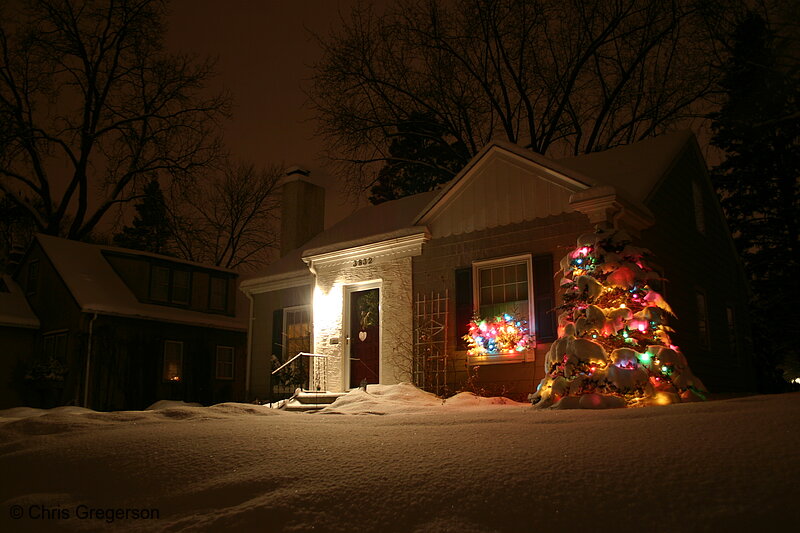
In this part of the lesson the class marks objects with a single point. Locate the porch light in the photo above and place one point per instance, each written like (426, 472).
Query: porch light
(327, 308)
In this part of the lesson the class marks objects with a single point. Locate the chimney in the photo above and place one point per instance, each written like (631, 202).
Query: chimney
(302, 210)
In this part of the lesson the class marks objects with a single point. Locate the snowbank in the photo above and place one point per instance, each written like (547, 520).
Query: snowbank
(405, 398)
(467, 464)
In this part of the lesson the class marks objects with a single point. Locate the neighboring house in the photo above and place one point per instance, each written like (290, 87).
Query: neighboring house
(386, 294)
(120, 329)
(18, 330)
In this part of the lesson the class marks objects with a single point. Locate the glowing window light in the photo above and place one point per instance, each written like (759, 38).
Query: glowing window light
(501, 335)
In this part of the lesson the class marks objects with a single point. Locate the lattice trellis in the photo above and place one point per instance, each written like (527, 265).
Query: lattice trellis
(430, 342)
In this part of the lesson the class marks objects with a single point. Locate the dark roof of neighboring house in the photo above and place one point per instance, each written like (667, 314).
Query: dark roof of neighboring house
(97, 288)
(14, 308)
(633, 170)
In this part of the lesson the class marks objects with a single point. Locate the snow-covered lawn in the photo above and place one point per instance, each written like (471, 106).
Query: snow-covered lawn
(397, 459)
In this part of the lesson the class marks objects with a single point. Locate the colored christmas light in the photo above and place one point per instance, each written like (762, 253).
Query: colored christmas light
(612, 330)
(504, 334)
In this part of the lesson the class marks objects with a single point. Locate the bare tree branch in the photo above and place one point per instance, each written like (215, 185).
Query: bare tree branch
(92, 104)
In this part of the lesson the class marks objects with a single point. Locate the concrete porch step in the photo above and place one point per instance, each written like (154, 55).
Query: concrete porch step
(310, 400)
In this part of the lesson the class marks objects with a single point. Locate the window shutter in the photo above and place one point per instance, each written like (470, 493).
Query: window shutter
(277, 334)
(544, 299)
(463, 305)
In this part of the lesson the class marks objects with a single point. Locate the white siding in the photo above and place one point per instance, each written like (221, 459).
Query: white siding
(497, 193)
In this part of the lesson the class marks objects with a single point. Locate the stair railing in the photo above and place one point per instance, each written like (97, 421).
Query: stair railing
(316, 371)
(300, 354)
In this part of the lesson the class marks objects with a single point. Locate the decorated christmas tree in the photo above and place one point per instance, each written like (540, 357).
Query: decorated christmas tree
(614, 348)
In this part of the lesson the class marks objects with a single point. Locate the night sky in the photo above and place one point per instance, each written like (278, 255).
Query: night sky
(264, 52)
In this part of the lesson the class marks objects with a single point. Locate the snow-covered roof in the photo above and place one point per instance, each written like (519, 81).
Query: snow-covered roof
(14, 308)
(635, 169)
(368, 225)
(97, 288)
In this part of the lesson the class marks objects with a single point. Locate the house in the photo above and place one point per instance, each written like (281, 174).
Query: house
(19, 327)
(386, 294)
(120, 329)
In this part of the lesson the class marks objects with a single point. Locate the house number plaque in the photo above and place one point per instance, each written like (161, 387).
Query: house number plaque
(362, 262)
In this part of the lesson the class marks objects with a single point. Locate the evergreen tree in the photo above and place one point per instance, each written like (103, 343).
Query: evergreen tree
(421, 158)
(614, 348)
(758, 128)
(150, 231)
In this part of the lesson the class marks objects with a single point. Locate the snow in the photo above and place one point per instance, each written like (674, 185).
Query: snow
(97, 288)
(371, 224)
(634, 169)
(466, 464)
(14, 308)
(171, 404)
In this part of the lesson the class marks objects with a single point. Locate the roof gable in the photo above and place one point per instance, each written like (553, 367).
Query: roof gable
(504, 184)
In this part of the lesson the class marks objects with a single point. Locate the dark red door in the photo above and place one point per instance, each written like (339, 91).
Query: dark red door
(364, 337)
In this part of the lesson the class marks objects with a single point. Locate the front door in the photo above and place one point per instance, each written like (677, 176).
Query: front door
(364, 337)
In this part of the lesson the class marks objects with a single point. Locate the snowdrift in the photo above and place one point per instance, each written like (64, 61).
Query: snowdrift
(466, 464)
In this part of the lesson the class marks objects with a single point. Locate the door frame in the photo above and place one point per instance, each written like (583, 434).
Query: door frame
(348, 291)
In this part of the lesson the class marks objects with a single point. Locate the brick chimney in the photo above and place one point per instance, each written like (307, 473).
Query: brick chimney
(302, 209)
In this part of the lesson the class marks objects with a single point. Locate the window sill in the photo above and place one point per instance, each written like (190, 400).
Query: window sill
(501, 358)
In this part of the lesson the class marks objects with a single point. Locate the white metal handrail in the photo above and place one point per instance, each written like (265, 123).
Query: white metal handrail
(300, 354)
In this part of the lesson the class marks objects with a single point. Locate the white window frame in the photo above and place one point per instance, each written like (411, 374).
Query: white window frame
(180, 362)
(224, 364)
(477, 266)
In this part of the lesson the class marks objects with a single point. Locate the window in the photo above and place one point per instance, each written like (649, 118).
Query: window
(33, 277)
(224, 362)
(731, 329)
(503, 286)
(702, 320)
(159, 283)
(173, 360)
(170, 285)
(180, 287)
(296, 331)
(54, 346)
(699, 209)
(218, 294)
(502, 293)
